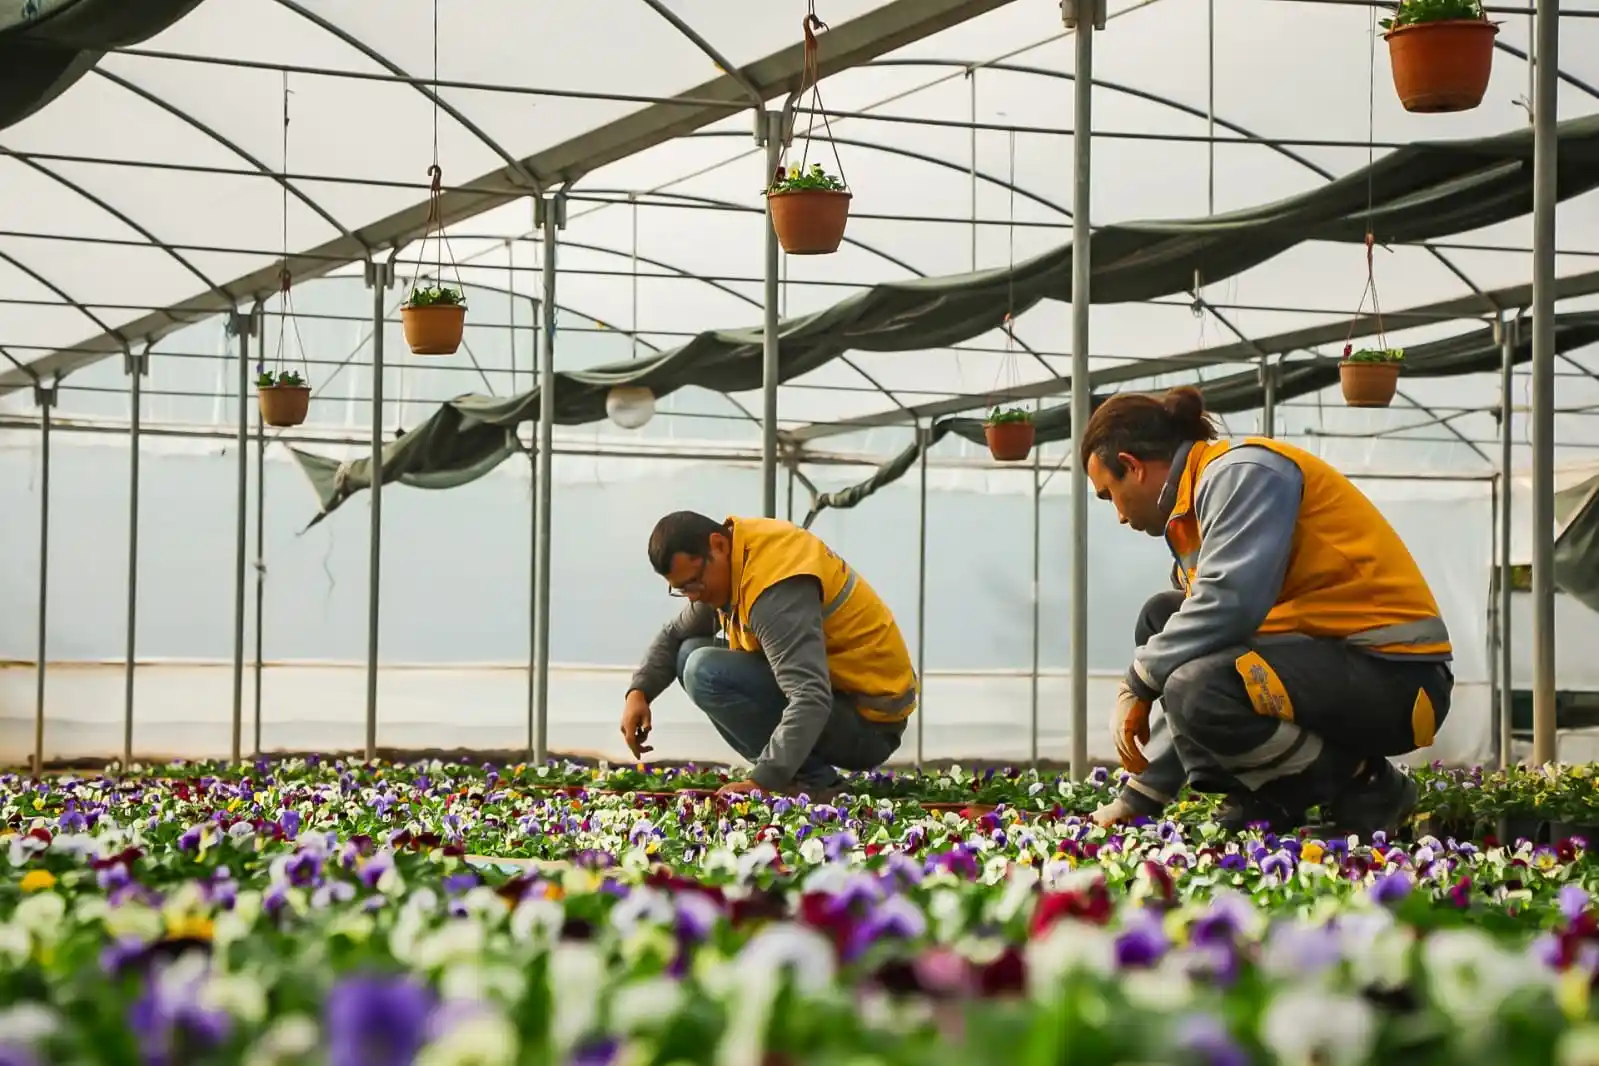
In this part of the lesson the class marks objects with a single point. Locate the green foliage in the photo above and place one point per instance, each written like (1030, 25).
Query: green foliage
(1415, 12)
(1373, 355)
(813, 180)
(1001, 415)
(435, 296)
(280, 379)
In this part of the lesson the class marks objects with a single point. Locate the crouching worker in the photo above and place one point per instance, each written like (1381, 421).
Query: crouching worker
(812, 673)
(1304, 646)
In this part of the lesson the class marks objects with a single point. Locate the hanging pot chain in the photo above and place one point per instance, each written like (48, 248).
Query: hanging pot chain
(433, 226)
(811, 77)
(287, 319)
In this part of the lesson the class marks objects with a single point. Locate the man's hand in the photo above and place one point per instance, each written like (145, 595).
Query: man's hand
(636, 723)
(738, 788)
(1113, 813)
(1130, 727)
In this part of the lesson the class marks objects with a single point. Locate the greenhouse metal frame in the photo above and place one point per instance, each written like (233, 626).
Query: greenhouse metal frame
(882, 39)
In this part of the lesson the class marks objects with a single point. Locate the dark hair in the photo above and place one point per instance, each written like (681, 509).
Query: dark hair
(1146, 427)
(688, 532)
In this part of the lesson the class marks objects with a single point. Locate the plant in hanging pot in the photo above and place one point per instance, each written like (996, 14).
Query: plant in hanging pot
(1442, 54)
(809, 208)
(434, 317)
(284, 396)
(1010, 433)
(1370, 376)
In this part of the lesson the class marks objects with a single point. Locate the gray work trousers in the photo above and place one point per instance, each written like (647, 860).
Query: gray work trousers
(741, 697)
(1291, 716)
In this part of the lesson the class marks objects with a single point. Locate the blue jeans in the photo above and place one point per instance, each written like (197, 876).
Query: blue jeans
(738, 693)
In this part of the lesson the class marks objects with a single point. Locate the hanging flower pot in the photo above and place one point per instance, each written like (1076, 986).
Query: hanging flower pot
(434, 319)
(810, 210)
(1370, 377)
(284, 397)
(1009, 434)
(1442, 54)
(808, 206)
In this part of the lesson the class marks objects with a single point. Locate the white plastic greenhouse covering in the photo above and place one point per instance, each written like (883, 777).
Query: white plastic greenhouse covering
(165, 175)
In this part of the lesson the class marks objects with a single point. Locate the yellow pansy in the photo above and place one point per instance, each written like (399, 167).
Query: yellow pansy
(190, 927)
(37, 881)
(1311, 851)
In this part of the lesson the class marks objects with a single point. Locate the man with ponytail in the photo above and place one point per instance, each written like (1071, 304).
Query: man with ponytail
(1303, 647)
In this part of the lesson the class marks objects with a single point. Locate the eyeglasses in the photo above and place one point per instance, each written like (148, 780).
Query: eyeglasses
(691, 587)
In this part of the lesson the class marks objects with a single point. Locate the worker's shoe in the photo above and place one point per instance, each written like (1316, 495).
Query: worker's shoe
(1378, 799)
(1241, 810)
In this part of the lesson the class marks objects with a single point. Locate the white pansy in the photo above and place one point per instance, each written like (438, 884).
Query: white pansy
(576, 975)
(1578, 1046)
(1067, 947)
(642, 906)
(474, 982)
(1309, 1025)
(803, 953)
(646, 1004)
(537, 919)
(1377, 947)
(26, 1024)
(482, 1038)
(481, 901)
(720, 861)
(812, 851)
(41, 914)
(1165, 988)
(947, 912)
(995, 868)
(1020, 887)
(757, 858)
(1470, 976)
(240, 995)
(454, 941)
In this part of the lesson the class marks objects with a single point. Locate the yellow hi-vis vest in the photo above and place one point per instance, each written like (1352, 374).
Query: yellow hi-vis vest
(866, 654)
(1349, 575)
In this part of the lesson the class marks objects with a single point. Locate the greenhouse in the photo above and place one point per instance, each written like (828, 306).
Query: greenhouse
(211, 602)
(349, 354)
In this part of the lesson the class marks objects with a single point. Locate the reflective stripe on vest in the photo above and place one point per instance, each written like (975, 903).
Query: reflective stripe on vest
(832, 605)
(1422, 631)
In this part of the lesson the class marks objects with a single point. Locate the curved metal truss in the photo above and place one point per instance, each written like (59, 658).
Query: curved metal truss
(747, 87)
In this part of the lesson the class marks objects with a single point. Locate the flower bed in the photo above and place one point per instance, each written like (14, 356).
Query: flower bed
(315, 911)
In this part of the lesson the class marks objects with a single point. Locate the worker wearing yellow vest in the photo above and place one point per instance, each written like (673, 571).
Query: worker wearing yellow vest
(1303, 647)
(811, 672)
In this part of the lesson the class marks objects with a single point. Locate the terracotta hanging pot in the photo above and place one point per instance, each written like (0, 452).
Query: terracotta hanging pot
(1368, 384)
(1010, 441)
(434, 329)
(1442, 66)
(284, 405)
(809, 221)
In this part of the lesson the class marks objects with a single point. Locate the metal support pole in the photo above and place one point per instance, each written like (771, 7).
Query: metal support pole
(1081, 16)
(924, 436)
(45, 397)
(243, 327)
(1547, 34)
(533, 531)
(769, 132)
(1502, 646)
(550, 214)
(136, 366)
(1268, 398)
(260, 573)
(1038, 493)
(380, 277)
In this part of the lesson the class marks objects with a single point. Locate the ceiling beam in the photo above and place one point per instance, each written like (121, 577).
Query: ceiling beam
(847, 45)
